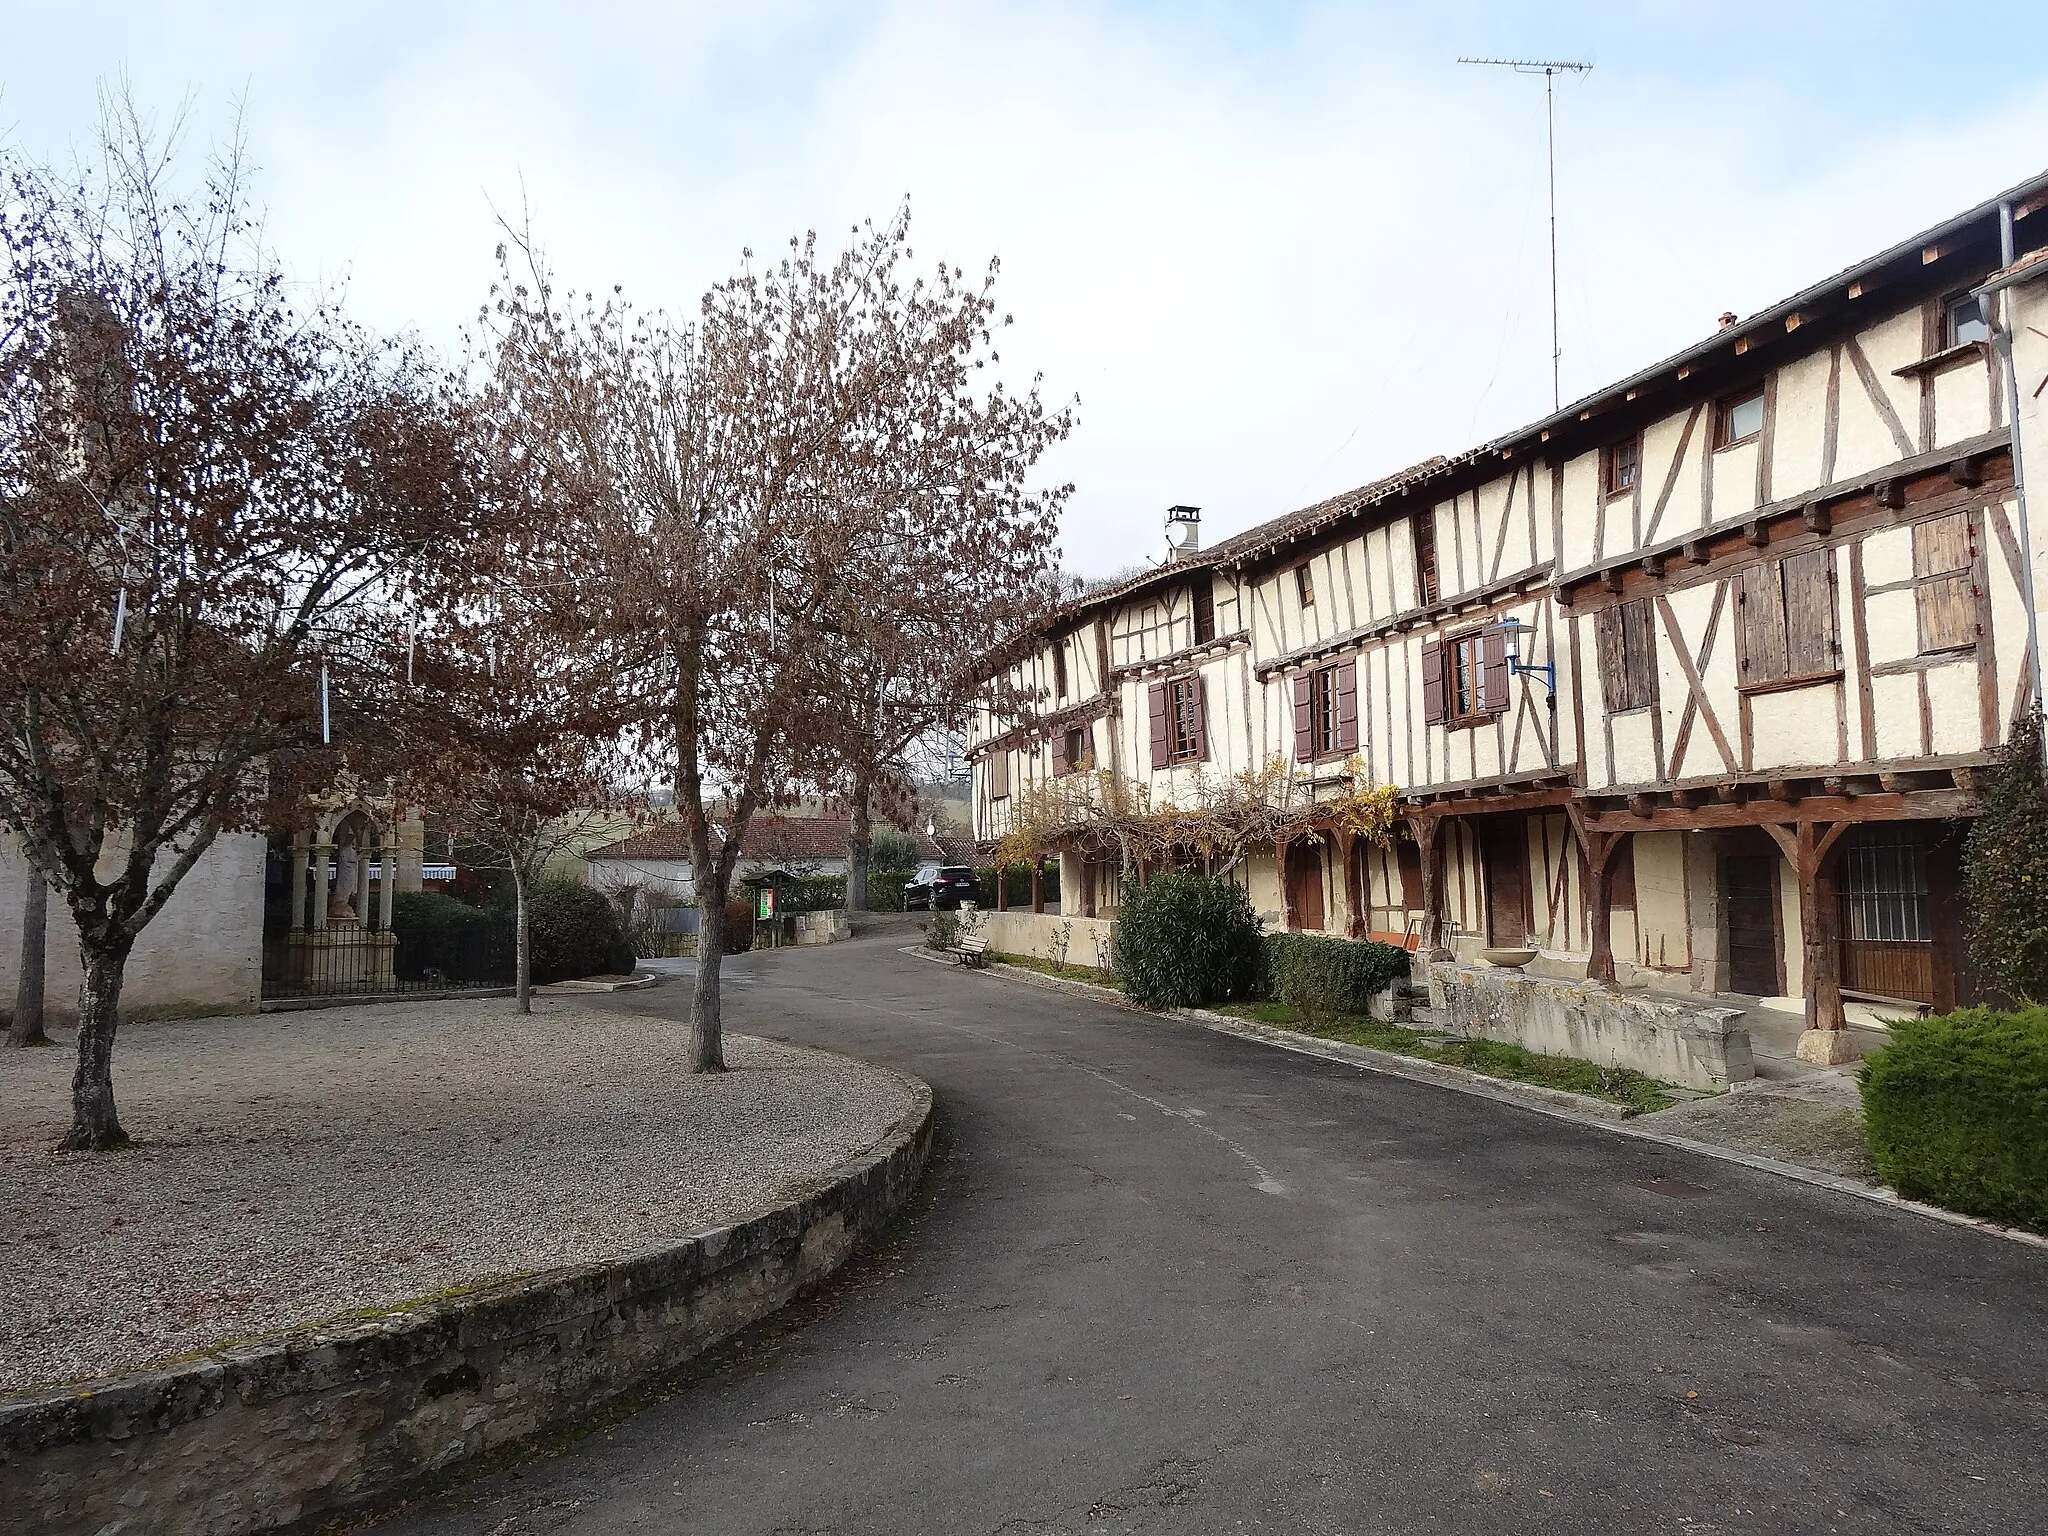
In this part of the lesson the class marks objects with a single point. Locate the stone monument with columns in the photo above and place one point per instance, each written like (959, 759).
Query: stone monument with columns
(347, 869)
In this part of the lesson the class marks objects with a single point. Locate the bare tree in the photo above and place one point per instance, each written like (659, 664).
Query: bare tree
(725, 497)
(26, 1027)
(208, 490)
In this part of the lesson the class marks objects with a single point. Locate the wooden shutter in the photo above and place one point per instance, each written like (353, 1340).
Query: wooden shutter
(1347, 707)
(1810, 613)
(1493, 671)
(1423, 525)
(1944, 553)
(1059, 669)
(1161, 725)
(1613, 660)
(1202, 592)
(1760, 623)
(1434, 711)
(1304, 718)
(1198, 710)
(1628, 656)
(1060, 761)
(998, 775)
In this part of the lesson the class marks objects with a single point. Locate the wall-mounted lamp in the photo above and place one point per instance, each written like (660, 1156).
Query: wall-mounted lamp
(1511, 631)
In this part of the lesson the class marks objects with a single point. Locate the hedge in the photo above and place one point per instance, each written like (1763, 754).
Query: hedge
(1183, 940)
(1956, 1111)
(1322, 977)
(459, 942)
(572, 930)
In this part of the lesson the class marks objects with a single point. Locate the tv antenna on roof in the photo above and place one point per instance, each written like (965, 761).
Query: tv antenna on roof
(1549, 69)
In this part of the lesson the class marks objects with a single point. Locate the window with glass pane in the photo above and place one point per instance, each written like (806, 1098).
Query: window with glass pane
(1965, 321)
(1738, 418)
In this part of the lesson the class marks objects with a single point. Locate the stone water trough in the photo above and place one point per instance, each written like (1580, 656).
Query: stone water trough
(1672, 1038)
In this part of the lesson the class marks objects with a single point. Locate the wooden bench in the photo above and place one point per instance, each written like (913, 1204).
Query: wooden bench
(971, 950)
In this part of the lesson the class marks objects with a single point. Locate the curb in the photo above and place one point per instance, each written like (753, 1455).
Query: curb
(639, 983)
(341, 1420)
(1555, 1102)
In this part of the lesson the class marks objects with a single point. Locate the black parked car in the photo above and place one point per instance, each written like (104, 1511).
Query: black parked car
(938, 888)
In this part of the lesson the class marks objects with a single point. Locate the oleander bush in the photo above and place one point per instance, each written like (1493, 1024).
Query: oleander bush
(1185, 940)
(1956, 1110)
(1321, 977)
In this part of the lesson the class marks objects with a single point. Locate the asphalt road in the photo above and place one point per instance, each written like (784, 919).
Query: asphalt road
(1168, 1280)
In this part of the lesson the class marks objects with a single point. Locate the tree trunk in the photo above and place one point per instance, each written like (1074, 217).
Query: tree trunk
(27, 1028)
(859, 845)
(707, 1036)
(522, 964)
(95, 1124)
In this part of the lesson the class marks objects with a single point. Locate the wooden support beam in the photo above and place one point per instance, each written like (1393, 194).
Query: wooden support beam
(1697, 552)
(1611, 578)
(1430, 854)
(1840, 787)
(1815, 516)
(1920, 805)
(1731, 794)
(1688, 797)
(1807, 849)
(1038, 884)
(1968, 470)
(1757, 531)
(1891, 493)
(1289, 916)
(1785, 791)
(1597, 849)
(1641, 805)
(1002, 888)
(1971, 780)
(1654, 564)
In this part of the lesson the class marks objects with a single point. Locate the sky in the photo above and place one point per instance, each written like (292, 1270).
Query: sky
(1274, 250)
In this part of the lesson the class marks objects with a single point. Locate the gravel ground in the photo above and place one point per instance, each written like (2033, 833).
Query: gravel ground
(1823, 1132)
(290, 1168)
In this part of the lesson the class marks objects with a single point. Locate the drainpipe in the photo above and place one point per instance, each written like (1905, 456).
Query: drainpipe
(2002, 335)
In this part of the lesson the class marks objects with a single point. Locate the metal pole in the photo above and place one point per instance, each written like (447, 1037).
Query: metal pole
(1550, 141)
(2003, 332)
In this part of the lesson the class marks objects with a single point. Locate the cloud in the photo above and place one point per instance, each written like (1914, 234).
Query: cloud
(1276, 251)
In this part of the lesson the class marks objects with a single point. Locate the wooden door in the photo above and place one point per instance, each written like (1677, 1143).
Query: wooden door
(1505, 849)
(1305, 883)
(1888, 916)
(1749, 884)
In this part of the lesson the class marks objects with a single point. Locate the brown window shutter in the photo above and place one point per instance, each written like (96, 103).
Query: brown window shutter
(1493, 671)
(1347, 707)
(1304, 719)
(1760, 611)
(1434, 710)
(1810, 644)
(1199, 702)
(1060, 764)
(1162, 727)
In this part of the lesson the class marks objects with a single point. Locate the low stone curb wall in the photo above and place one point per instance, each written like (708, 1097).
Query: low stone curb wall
(292, 1432)
(1693, 1044)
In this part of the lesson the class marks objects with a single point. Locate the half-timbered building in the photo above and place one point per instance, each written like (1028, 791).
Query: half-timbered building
(1691, 684)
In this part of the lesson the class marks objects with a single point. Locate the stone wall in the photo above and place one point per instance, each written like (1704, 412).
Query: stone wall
(203, 954)
(1038, 934)
(1666, 1037)
(298, 1431)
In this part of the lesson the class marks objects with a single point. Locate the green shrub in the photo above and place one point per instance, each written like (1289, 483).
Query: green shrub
(943, 931)
(885, 889)
(451, 939)
(1016, 884)
(1956, 1109)
(572, 930)
(1322, 977)
(813, 893)
(1183, 940)
(890, 848)
(2007, 858)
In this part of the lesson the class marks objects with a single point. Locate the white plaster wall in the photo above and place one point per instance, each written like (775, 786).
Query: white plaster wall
(1800, 428)
(1663, 939)
(1796, 728)
(203, 954)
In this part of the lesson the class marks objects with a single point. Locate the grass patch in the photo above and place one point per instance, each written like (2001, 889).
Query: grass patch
(1490, 1058)
(1087, 973)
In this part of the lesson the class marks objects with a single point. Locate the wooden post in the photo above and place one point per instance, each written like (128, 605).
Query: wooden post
(1002, 886)
(1290, 917)
(1809, 849)
(1038, 884)
(1353, 887)
(1597, 850)
(1087, 886)
(1426, 829)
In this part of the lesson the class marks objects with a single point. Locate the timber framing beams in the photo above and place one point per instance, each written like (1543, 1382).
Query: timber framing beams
(1537, 578)
(1960, 475)
(1187, 656)
(1087, 712)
